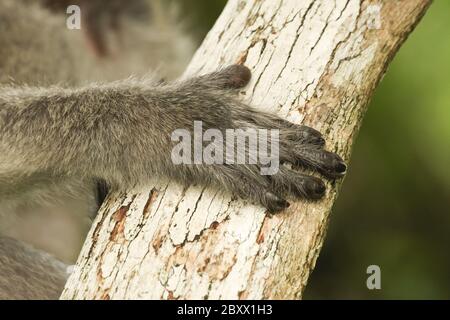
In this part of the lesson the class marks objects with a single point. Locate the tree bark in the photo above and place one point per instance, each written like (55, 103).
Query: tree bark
(313, 62)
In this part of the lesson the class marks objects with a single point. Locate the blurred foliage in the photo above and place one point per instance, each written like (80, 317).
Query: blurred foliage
(199, 15)
(394, 208)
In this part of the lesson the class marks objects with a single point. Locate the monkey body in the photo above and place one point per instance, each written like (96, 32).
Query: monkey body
(37, 50)
(59, 142)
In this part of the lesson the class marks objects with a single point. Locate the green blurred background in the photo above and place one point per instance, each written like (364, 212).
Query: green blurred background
(394, 208)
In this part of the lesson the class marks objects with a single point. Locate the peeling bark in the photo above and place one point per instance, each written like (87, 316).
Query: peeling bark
(313, 62)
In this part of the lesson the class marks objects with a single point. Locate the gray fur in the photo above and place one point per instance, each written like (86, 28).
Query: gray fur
(27, 273)
(57, 142)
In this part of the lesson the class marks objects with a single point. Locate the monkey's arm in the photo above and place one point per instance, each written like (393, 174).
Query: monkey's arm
(121, 133)
(96, 131)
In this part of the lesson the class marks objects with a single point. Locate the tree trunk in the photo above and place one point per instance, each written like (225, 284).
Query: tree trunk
(315, 62)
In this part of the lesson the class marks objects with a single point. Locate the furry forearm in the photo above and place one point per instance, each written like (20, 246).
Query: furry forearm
(98, 131)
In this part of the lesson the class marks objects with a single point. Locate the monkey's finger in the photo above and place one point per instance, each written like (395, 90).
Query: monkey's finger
(328, 163)
(303, 135)
(245, 116)
(274, 203)
(232, 77)
(293, 183)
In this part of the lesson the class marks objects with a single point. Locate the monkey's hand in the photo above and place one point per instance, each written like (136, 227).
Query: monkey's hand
(209, 100)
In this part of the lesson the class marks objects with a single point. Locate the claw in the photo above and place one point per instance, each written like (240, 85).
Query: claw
(274, 203)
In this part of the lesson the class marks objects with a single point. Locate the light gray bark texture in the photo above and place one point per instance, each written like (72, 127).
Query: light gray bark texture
(313, 62)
